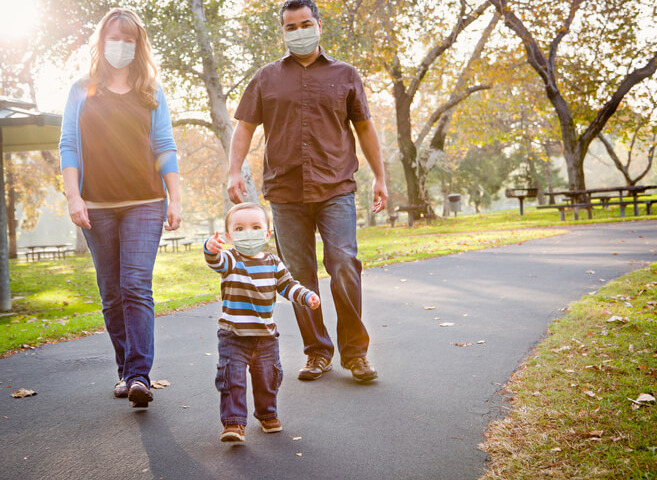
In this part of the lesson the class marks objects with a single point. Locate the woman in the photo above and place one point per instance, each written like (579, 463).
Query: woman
(118, 161)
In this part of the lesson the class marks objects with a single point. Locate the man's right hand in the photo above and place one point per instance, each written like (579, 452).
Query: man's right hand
(236, 188)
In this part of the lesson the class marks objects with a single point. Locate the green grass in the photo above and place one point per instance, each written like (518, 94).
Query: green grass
(571, 415)
(58, 300)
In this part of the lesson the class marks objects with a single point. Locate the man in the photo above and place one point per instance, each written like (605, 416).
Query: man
(305, 102)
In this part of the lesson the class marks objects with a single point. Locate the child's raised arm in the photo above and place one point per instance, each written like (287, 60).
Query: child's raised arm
(214, 243)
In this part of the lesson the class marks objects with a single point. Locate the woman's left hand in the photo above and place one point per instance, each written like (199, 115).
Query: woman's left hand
(174, 215)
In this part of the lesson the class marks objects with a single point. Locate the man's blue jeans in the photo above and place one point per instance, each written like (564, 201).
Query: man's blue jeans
(123, 244)
(335, 219)
(260, 353)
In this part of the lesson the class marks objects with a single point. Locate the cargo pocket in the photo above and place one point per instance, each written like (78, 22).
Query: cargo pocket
(278, 375)
(221, 381)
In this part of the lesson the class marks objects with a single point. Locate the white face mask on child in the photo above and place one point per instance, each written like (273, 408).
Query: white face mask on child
(249, 242)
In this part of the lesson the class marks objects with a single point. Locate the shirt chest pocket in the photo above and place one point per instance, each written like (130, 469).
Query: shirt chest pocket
(334, 95)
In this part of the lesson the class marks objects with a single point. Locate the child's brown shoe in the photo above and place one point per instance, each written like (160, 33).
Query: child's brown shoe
(271, 425)
(233, 433)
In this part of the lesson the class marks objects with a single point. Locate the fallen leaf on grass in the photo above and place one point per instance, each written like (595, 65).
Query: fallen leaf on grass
(595, 434)
(589, 393)
(23, 392)
(643, 400)
(555, 450)
(159, 384)
(616, 318)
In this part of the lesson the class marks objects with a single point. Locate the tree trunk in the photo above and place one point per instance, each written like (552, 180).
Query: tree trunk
(80, 242)
(221, 121)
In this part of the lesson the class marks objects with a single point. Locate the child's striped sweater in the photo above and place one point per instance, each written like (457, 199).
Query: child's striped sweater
(248, 290)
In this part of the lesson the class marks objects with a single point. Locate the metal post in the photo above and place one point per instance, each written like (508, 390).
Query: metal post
(5, 287)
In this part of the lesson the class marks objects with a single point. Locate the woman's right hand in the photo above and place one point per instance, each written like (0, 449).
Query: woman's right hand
(77, 209)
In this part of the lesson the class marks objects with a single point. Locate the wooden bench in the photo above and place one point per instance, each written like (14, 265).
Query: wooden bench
(162, 246)
(415, 212)
(187, 244)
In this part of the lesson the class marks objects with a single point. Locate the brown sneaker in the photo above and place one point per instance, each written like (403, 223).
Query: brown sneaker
(316, 366)
(271, 425)
(233, 433)
(360, 369)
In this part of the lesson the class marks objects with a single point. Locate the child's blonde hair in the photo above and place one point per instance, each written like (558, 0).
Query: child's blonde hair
(245, 206)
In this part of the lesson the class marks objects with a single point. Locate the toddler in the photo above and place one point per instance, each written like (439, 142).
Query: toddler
(247, 333)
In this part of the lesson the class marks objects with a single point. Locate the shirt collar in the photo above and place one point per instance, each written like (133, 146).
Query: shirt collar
(322, 53)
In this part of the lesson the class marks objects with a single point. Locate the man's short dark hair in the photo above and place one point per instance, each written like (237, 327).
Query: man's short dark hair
(296, 5)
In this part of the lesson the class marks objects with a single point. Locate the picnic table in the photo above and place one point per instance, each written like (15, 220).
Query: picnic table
(521, 194)
(174, 241)
(600, 197)
(57, 251)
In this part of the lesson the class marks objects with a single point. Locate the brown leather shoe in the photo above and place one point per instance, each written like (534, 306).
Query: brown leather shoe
(361, 369)
(121, 389)
(271, 425)
(139, 394)
(233, 433)
(316, 366)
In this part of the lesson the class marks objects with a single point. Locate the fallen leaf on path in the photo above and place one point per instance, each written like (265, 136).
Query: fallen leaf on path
(159, 384)
(464, 344)
(23, 392)
(296, 438)
(299, 454)
(429, 307)
(447, 324)
(481, 342)
(590, 272)
(402, 280)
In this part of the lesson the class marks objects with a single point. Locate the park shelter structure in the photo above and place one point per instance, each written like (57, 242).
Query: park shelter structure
(22, 129)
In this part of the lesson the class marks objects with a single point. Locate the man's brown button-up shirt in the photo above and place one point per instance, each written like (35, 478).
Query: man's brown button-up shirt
(310, 153)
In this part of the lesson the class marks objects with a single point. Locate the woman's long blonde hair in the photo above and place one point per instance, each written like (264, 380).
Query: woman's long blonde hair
(142, 69)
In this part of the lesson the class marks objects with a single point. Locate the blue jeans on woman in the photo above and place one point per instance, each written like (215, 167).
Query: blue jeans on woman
(261, 355)
(335, 219)
(123, 243)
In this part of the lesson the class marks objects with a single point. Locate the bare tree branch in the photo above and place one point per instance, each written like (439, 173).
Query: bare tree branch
(463, 21)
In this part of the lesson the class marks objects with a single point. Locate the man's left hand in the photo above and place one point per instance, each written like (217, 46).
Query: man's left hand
(380, 195)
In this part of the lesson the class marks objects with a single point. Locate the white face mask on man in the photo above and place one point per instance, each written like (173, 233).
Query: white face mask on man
(119, 54)
(302, 41)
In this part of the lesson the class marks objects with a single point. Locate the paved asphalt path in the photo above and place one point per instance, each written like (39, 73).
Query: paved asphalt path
(422, 420)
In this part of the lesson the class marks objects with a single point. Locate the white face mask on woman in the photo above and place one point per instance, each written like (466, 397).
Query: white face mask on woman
(302, 41)
(119, 54)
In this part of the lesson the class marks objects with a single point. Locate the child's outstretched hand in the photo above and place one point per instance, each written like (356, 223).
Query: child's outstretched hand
(214, 243)
(313, 301)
